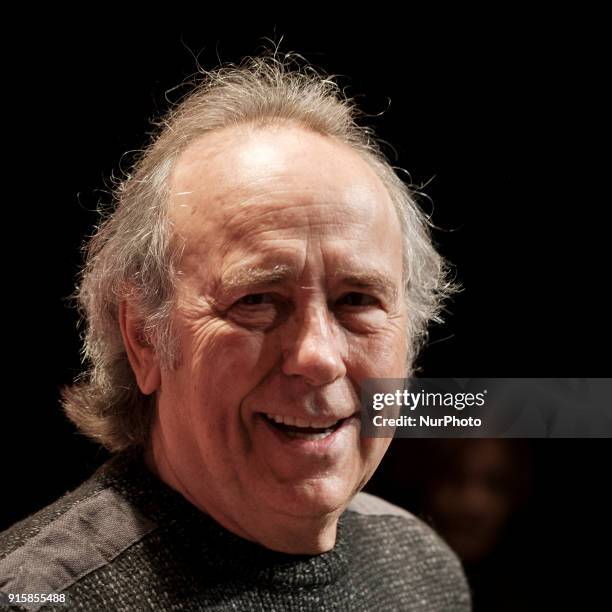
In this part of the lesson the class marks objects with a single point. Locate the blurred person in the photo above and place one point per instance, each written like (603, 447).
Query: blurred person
(471, 491)
(473, 495)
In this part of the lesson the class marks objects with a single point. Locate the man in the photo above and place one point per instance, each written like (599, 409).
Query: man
(262, 261)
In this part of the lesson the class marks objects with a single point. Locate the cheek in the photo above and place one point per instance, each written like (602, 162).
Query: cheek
(375, 448)
(380, 355)
(227, 361)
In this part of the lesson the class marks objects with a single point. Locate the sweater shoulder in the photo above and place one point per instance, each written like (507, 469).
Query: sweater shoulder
(371, 505)
(383, 518)
(83, 530)
(411, 542)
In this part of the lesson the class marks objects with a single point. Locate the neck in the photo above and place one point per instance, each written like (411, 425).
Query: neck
(291, 535)
(281, 532)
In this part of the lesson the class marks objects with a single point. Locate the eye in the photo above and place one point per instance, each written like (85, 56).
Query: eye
(354, 298)
(258, 311)
(254, 299)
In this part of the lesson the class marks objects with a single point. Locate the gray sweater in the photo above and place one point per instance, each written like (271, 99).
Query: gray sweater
(124, 540)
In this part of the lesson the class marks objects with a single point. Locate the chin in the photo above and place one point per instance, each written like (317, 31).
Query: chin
(317, 498)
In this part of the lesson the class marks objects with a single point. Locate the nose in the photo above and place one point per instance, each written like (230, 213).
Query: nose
(315, 351)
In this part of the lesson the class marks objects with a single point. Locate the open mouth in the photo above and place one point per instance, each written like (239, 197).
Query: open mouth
(301, 429)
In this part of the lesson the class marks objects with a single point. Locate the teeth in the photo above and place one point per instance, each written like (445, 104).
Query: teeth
(305, 436)
(298, 422)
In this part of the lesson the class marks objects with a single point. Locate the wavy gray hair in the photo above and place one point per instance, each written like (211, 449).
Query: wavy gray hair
(132, 254)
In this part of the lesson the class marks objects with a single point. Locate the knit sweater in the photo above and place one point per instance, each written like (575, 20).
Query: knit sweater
(124, 540)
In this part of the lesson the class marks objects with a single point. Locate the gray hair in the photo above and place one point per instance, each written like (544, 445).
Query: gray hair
(133, 254)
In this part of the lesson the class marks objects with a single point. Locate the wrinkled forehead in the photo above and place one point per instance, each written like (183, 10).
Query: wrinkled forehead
(244, 180)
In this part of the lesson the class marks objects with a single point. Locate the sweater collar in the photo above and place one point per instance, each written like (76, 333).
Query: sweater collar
(208, 547)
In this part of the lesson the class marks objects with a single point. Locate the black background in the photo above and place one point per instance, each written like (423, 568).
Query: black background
(497, 114)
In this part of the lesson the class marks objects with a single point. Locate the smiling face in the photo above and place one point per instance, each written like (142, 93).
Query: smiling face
(289, 295)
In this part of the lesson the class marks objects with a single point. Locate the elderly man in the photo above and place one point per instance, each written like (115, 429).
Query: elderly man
(262, 261)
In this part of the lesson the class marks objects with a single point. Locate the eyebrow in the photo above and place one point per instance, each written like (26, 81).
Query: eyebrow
(255, 277)
(368, 279)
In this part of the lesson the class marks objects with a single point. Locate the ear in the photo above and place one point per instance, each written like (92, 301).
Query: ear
(141, 354)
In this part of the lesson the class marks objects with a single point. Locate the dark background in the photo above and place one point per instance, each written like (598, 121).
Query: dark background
(496, 114)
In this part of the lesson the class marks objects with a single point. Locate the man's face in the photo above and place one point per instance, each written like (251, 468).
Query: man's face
(289, 296)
